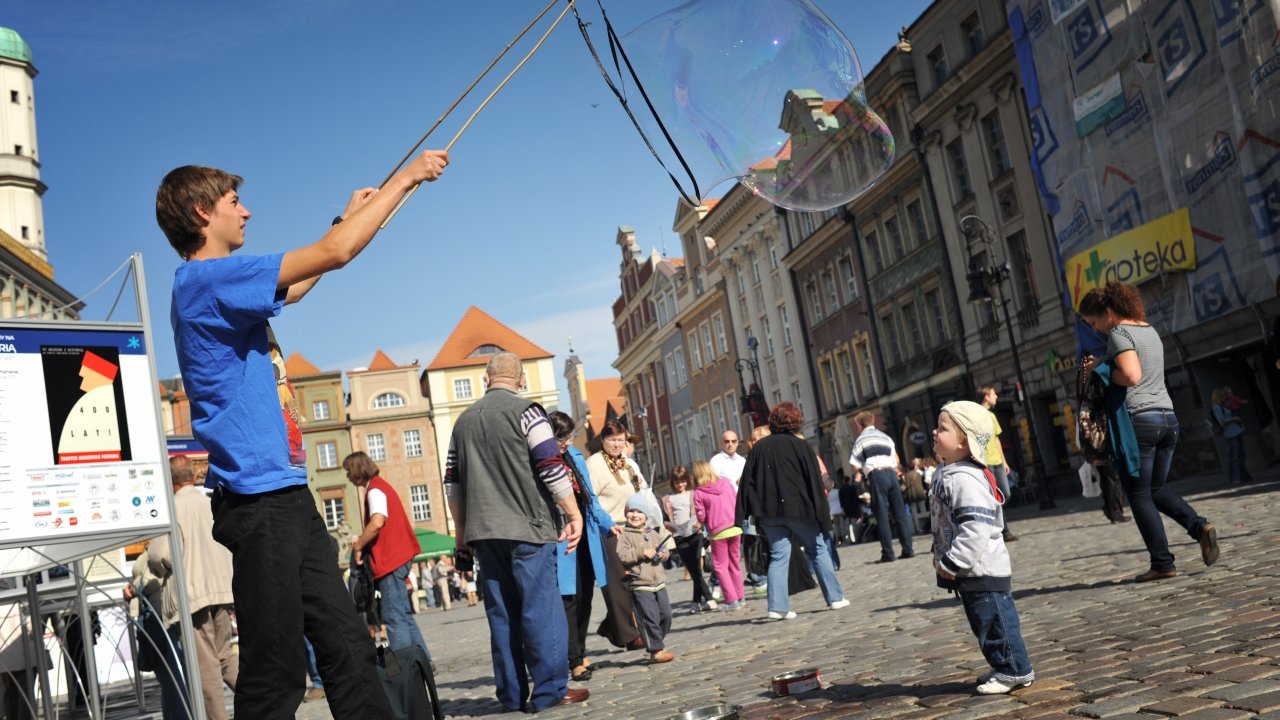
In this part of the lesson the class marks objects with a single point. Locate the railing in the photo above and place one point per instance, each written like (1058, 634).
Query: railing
(990, 333)
(1029, 317)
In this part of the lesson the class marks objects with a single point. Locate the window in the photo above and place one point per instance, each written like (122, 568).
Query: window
(420, 501)
(742, 281)
(829, 381)
(485, 350)
(710, 441)
(937, 316)
(786, 325)
(1024, 273)
(13, 96)
(26, 232)
(682, 372)
(320, 410)
(659, 377)
(672, 380)
(707, 344)
(893, 233)
(717, 407)
(937, 60)
(376, 446)
(914, 333)
(682, 442)
(868, 369)
(829, 286)
(997, 151)
(773, 253)
(815, 303)
(413, 443)
(755, 266)
(795, 395)
(959, 171)
(768, 335)
(335, 512)
(388, 400)
(915, 216)
(873, 248)
(850, 376)
(971, 31)
(327, 455)
(695, 350)
(721, 340)
(462, 389)
(890, 329)
(845, 265)
(17, 149)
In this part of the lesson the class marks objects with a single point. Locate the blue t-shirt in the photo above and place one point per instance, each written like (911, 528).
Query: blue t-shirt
(243, 408)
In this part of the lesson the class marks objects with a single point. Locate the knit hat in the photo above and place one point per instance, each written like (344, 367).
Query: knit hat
(974, 421)
(646, 503)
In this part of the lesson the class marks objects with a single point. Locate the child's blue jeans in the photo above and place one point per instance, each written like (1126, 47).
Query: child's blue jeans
(994, 620)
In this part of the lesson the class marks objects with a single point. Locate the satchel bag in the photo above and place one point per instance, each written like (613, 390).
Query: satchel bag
(1092, 419)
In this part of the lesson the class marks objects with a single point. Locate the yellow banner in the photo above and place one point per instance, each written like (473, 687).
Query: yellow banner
(1135, 256)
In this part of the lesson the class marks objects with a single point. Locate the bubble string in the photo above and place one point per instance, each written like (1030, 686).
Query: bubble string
(615, 49)
(483, 103)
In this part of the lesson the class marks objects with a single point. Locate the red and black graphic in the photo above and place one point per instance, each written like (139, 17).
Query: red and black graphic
(87, 421)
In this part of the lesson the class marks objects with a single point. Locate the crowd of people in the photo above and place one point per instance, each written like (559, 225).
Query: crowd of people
(540, 527)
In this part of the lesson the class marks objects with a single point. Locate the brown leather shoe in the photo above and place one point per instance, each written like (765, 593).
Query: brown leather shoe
(1154, 574)
(637, 644)
(575, 695)
(1209, 544)
(662, 656)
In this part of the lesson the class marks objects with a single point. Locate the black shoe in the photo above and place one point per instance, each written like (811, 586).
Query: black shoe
(906, 556)
(886, 559)
(1154, 574)
(1209, 544)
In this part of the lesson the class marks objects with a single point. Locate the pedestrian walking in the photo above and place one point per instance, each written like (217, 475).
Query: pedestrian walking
(683, 523)
(715, 506)
(875, 454)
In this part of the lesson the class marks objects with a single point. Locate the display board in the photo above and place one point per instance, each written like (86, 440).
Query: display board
(81, 451)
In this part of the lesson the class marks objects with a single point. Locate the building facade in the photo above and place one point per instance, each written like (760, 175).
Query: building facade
(392, 421)
(327, 437)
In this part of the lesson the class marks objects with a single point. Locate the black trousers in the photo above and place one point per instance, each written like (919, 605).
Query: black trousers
(286, 583)
(619, 624)
(690, 549)
(577, 608)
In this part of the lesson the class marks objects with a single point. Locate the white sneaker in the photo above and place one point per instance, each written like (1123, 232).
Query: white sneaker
(984, 677)
(789, 616)
(839, 604)
(716, 594)
(709, 605)
(995, 687)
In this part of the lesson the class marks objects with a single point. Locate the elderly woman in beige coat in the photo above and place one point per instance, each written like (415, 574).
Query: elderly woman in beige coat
(614, 478)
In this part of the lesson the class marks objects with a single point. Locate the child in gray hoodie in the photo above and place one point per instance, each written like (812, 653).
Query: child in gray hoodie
(969, 553)
(642, 553)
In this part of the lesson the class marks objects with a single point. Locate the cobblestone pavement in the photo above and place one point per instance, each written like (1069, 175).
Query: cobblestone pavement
(1204, 645)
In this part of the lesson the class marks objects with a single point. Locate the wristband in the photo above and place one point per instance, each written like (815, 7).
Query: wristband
(337, 220)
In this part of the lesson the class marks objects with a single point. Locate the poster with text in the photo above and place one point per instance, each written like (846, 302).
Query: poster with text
(80, 446)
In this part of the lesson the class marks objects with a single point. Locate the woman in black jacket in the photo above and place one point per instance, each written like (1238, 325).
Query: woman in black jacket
(782, 489)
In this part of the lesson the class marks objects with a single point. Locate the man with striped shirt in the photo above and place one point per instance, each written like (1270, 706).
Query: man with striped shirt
(877, 457)
(510, 492)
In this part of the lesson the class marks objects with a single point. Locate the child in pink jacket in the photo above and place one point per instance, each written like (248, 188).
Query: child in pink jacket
(715, 503)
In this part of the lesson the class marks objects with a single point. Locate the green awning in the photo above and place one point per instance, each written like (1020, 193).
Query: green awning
(433, 544)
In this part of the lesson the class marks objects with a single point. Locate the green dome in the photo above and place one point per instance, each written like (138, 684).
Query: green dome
(12, 46)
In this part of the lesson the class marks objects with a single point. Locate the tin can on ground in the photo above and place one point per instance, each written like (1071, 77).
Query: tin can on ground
(710, 712)
(796, 682)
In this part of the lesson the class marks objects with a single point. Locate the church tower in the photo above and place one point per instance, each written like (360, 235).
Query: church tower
(21, 214)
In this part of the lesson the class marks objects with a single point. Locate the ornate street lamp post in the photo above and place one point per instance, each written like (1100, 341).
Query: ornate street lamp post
(982, 280)
(753, 402)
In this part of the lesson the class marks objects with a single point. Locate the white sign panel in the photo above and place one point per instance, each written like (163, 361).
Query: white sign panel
(80, 449)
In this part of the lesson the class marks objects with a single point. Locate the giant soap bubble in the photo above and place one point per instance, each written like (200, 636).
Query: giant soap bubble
(773, 90)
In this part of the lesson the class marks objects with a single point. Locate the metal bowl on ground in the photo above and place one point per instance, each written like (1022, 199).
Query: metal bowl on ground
(796, 682)
(710, 712)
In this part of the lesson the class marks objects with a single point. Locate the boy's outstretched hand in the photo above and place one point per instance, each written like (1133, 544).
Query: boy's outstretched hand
(426, 167)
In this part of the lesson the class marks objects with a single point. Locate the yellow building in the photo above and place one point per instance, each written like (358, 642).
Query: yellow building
(328, 440)
(391, 421)
(455, 378)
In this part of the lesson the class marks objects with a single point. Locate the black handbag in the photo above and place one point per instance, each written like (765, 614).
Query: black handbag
(755, 554)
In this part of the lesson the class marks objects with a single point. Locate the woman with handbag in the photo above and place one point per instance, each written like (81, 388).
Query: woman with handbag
(614, 478)
(782, 488)
(1142, 430)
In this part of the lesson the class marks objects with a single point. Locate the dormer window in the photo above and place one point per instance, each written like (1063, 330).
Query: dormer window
(485, 350)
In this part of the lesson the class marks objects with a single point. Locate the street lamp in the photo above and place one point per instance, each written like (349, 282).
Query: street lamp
(753, 402)
(981, 282)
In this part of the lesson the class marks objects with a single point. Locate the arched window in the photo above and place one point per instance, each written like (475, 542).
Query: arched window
(388, 400)
(485, 350)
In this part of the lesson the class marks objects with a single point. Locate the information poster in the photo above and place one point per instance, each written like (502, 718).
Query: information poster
(80, 449)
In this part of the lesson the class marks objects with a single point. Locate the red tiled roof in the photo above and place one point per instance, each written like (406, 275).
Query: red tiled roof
(478, 328)
(298, 366)
(600, 392)
(380, 361)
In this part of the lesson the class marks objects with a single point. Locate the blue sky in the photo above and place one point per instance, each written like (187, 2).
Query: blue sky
(310, 100)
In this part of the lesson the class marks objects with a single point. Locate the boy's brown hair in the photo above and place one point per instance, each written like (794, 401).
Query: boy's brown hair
(182, 191)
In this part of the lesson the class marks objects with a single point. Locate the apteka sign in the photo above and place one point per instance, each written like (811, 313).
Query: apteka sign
(1135, 256)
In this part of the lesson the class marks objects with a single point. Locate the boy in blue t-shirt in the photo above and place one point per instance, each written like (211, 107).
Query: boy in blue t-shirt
(286, 580)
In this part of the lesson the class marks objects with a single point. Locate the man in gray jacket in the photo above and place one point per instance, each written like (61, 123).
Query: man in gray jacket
(509, 491)
(206, 565)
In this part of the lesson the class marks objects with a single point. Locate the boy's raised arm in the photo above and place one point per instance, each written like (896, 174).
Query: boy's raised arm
(301, 269)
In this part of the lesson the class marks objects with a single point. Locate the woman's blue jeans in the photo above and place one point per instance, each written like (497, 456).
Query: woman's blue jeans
(1149, 493)
(779, 532)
